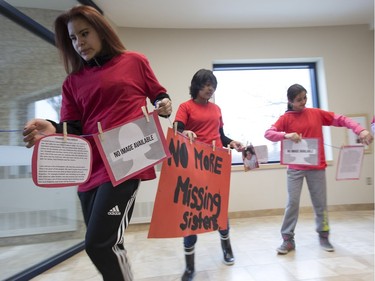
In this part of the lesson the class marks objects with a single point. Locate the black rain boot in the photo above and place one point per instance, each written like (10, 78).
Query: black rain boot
(227, 250)
(189, 270)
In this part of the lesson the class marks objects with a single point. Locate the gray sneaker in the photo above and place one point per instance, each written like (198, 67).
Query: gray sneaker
(325, 244)
(286, 247)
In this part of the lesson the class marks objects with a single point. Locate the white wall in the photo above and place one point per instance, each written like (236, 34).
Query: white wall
(348, 56)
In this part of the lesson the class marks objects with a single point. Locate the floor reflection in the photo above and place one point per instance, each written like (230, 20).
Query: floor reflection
(14, 259)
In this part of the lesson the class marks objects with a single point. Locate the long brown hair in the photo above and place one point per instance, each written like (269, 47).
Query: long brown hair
(111, 43)
(292, 92)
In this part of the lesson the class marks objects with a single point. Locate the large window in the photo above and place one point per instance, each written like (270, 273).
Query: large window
(253, 96)
(44, 224)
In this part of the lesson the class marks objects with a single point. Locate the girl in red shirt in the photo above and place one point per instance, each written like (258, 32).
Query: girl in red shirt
(200, 119)
(297, 122)
(107, 84)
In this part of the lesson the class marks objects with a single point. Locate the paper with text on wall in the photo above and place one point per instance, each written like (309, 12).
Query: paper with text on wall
(350, 162)
(59, 162)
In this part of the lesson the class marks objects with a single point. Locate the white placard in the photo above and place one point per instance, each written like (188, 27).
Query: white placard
(59, 161)
(305, 152)
(350, 162)
(133, 147)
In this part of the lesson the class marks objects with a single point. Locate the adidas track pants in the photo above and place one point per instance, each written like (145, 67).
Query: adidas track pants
(107, 211)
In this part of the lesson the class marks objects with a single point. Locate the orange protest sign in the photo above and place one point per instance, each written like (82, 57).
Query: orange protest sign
(193, 189)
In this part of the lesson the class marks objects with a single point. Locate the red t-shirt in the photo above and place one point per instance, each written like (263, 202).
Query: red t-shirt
(309, 123)
(204, 120)
(111, 94)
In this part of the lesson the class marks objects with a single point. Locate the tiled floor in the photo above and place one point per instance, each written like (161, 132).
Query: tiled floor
(254, 241)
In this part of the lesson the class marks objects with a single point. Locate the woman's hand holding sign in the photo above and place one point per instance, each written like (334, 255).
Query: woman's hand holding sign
(164, 107)
(190, 134)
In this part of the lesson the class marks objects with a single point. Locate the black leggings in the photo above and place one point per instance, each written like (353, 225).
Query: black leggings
(107, 211)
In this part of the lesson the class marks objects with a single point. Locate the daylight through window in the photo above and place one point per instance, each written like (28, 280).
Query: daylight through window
(253, 96)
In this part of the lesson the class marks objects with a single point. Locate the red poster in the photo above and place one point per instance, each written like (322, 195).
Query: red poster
(193, 189)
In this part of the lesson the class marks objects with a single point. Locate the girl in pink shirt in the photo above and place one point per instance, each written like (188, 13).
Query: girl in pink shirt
(300, 122)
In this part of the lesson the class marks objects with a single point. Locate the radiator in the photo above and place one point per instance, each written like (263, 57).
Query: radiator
(26, 209)
(142, 212)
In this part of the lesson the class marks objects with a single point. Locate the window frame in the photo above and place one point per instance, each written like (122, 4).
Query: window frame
(317, 78)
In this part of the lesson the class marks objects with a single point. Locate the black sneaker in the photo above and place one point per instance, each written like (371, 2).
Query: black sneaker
(325, 244)
(286, 247)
